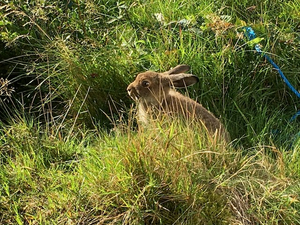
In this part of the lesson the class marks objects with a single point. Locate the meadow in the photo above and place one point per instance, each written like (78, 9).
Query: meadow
(70, 148)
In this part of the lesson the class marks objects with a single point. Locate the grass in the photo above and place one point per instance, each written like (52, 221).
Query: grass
(170, 175)
(70, 150)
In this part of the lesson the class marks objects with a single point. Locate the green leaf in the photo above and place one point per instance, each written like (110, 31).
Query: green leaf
(255, 41)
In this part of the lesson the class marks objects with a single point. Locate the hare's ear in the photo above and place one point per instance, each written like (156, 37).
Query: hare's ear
(178, 69)
(183, 80)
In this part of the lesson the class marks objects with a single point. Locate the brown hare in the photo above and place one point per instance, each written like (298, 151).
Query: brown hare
(155, 94)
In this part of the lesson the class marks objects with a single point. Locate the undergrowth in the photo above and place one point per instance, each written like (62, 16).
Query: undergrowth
(171, 174)
(70, 150)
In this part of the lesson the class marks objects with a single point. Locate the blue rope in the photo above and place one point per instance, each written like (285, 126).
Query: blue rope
(251, 35)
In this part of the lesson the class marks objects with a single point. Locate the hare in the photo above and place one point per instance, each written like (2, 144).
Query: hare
(154, 93)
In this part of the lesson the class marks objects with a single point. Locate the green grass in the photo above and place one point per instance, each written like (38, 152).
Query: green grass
(70, 151)
(167, 174)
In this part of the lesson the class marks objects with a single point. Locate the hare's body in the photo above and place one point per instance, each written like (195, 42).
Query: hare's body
(155, 96)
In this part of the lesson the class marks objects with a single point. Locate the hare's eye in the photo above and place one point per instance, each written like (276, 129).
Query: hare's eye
(145, 83)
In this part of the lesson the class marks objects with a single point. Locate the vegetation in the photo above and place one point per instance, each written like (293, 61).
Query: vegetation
(70, 150)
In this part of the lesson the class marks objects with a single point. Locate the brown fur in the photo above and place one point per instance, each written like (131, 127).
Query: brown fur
(155, 94)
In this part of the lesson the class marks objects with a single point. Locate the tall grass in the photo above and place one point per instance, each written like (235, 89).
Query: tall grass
(70, 152)
(171, 174)
(94, 49)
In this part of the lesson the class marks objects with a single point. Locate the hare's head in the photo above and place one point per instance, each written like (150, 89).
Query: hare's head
(153, 87)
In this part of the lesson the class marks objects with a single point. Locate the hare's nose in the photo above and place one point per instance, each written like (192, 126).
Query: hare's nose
(132, 92)
(129, 88)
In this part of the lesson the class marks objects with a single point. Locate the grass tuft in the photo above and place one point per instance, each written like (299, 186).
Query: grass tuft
(70, 151)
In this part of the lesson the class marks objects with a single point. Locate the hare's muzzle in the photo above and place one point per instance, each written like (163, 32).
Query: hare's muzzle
(132, 92)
